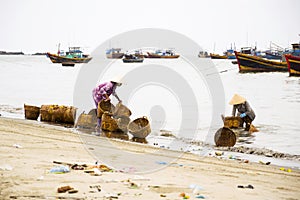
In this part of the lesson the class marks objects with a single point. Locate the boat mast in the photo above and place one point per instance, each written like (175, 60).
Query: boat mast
(58, 50)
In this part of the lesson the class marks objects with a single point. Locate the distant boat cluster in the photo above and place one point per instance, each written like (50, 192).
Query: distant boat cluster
(272, 60)
(139, 55)
(275, 59)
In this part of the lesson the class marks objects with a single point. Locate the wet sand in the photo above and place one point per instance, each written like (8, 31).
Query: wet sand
(28, 149)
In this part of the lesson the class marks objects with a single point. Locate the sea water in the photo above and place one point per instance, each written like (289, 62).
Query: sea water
(275, 97)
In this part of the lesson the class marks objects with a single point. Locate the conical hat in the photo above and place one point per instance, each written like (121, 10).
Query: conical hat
(237, 99)
(117, 79)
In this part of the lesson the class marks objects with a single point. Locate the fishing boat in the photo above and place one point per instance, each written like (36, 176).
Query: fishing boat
(217, 56)
(162, 54)
(275, 52)
(132, 59)
(250, 63)
(114, 53)
(203, 54)
(293, 63)
(230, 54)
(74, 55)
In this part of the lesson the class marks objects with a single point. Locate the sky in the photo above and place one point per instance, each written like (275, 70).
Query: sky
(216, 25)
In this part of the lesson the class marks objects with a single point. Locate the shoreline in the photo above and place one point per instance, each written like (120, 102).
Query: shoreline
(27, 176)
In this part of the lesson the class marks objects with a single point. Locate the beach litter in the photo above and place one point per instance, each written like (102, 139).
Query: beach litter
(195, 188)
(98, 187)
(60, 169)
(264, 163)
(17, 146)
(6, 167)
(286, 170)
(64, 189)
(40, 178)
(161, 162)
(247, 186)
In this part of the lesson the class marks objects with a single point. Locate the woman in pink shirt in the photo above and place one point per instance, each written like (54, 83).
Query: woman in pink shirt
(103, 91)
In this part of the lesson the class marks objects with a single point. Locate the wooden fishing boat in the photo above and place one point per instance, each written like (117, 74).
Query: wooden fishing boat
(114, 53)
(162, 54)
(203, 54)
(250, 63)
(132, 59)
(230, 54)
(74, 55)
(217, 56)
(293, 63)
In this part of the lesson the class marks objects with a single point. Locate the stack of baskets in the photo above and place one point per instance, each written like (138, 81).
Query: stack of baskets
(58, 114)
(116, 120)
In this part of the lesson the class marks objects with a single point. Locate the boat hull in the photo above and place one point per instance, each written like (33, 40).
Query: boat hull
(250, 63)
(293, 63)
(217, 56)
(134, 60)
(60, 59)
(152, 55)
(115, 56)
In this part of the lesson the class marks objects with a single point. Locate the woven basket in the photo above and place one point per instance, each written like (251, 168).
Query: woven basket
(140, 127)
(58, 114)
(121, 110)
(86, 121)
(108, 123)
(105, 106)
(31, 112)
(122, 123)
(233, 122)
(225, 137)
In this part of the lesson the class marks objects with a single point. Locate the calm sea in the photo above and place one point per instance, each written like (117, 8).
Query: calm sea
(275, 97)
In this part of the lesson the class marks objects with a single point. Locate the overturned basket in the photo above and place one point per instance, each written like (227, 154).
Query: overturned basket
(225, 137)
(31, 112)
(105, 106)
(140, 127)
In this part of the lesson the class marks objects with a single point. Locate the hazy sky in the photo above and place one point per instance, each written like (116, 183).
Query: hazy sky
(39, 25)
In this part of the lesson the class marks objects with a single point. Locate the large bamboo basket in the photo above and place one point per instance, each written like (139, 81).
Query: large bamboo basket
(105, 106)
(140, 127)
(233, 122)
(88, 121)
(122, 123)
(58, 114)
(225, 137)
(121, 110)
(31, 112)
(108, 123)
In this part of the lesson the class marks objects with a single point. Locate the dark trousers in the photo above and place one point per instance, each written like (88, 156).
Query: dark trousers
(247, 121)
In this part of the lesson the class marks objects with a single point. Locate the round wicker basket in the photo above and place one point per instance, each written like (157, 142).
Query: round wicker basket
(140, 127)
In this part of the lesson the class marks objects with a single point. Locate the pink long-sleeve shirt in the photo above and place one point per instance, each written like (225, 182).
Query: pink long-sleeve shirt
(102, 89)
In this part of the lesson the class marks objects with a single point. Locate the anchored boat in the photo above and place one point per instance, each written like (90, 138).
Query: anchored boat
(74, 55)
(250, 63)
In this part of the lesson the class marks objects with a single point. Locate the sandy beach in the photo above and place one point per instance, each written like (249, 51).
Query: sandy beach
(29, 149)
